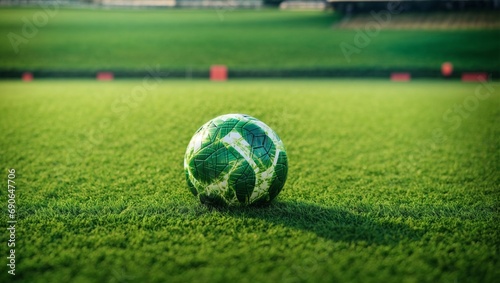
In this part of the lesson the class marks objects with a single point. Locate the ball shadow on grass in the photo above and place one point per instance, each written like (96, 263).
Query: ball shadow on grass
(334, 224)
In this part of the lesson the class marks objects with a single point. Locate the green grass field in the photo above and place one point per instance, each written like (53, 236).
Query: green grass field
(381, 188)
(88, 39)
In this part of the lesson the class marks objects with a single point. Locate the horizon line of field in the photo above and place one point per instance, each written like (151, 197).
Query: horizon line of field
(220, 72)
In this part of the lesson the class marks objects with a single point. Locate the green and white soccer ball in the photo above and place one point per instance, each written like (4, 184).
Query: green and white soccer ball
(235, 159)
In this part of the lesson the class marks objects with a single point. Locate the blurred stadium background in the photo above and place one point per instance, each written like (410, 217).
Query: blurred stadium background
(335, 36)
(339, 5)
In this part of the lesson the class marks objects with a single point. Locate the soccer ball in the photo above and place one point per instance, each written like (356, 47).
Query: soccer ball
(235, 159)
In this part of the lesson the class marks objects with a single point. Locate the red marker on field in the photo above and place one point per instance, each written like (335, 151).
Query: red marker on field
(475, 77)
(218, 73)
(105, 76)
(27, 77)
(447, 69)
(400, 77)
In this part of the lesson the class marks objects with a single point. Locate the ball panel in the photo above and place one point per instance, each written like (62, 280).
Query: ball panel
(209, 162)
(224, 127)
(280, 171)
(235, 159)
(262, 146)
(243, 182)
(190, 185)
(262, 200)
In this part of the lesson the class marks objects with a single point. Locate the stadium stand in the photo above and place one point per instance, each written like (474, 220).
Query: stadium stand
(345, 6)
(360, 6)
(438, 20)
(303, 5)
(143, 3)
(230, 4)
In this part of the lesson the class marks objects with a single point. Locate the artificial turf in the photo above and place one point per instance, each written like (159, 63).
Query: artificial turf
(381, 188)
(97, 39)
